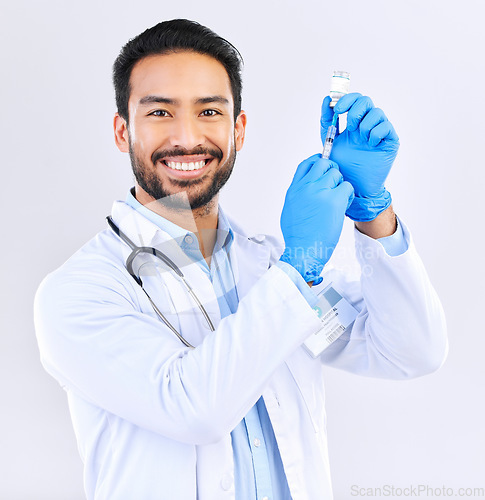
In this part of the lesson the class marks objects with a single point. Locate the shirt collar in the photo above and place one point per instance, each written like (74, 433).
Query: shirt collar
(225, 234)
(184, 238)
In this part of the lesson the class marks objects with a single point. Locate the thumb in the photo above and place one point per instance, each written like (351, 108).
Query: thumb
(326, 118)
(347, 191)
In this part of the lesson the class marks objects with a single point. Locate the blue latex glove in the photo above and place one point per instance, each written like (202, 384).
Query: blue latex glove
(313, 215)
(364, 151)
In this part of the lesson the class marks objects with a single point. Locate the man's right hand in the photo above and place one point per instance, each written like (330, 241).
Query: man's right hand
(313, 215)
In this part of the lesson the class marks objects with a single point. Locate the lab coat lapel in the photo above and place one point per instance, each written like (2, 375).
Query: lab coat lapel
(192, 323)
(249, 260)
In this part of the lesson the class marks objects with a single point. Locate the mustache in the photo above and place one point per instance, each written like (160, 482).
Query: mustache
(158, 155)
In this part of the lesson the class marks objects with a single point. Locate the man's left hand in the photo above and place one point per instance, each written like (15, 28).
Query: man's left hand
(364, 151)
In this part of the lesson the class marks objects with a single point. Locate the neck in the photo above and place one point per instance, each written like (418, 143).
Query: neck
(201, 221)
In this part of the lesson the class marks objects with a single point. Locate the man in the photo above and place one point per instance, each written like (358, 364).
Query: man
(175, 400)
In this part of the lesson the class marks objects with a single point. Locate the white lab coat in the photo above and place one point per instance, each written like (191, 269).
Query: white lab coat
(153, 418)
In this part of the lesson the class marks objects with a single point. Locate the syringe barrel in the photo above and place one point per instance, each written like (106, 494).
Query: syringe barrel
(328, 144)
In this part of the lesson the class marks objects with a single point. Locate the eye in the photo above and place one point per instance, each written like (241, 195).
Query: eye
(159, 112)
(210, 112)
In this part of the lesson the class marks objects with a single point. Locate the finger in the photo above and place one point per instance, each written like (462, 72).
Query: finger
(347, 191)
(319, 169)
(326, 117)
(358, 111)
(330, 179)
(371, 120)
(304, 167)
(346, 102)
(382, 132)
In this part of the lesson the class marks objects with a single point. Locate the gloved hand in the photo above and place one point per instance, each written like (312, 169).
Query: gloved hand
(313, 215)
(364, 151)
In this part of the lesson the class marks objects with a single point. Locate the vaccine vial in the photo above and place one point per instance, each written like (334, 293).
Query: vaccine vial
(339, 86)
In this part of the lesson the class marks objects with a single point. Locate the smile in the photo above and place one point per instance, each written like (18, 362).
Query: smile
(189, 166)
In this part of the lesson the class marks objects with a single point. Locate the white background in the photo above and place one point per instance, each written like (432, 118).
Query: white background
(421, 61)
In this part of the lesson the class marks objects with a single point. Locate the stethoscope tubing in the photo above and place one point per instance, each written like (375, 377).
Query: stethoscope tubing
(135, 251)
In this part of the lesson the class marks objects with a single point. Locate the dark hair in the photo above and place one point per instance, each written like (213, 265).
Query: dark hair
(172, 36)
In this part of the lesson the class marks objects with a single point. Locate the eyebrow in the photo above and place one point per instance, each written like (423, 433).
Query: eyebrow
(152, 99)
(212, 98)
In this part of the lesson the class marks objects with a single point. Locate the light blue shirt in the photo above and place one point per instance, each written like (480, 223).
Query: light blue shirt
(258, 469)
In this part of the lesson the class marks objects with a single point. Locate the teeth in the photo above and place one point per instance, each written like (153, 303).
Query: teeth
(194, 165)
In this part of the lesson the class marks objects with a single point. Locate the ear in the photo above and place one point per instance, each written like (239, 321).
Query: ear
(121, 133)
(240, 130)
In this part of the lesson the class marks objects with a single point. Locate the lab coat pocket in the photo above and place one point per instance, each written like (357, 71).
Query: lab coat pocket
(308, 375)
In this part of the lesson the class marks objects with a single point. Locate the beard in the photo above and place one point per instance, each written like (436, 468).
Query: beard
(195, 191)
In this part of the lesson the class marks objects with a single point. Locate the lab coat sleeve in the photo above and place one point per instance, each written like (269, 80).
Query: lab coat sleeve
(400, 331)
(95, 341)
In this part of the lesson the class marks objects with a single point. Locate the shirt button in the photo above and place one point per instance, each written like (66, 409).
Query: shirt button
(188, 239)
(226, 482)
(257, 442)
(258, 238)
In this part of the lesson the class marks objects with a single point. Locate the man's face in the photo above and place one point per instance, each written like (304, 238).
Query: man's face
(181, 136)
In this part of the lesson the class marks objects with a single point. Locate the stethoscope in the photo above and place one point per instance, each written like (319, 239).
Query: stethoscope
(135, 252)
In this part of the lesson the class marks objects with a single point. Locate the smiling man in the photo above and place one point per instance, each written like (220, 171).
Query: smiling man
(192, 352)
(168, 132)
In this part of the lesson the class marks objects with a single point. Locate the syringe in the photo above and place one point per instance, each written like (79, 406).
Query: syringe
(331, 132)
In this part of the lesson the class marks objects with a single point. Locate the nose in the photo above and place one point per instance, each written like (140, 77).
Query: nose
(186, 132)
